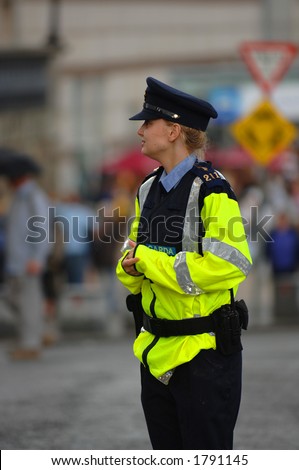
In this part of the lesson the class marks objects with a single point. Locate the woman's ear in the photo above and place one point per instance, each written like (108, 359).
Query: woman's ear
(174, 131)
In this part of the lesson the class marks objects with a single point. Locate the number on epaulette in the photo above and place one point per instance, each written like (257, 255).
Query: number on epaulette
(211, 176)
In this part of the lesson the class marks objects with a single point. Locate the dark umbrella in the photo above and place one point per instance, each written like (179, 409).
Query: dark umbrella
(14, 165)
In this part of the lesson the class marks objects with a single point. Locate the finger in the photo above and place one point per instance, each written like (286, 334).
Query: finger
(130, 261)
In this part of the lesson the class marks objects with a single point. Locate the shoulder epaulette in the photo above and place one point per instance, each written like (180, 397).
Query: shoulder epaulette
(208, 174)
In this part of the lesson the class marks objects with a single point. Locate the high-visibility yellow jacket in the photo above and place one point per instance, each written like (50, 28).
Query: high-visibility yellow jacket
(195, 280)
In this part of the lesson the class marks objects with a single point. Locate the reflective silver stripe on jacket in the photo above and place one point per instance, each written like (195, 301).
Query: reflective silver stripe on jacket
(192, 218)
(183, 275)
(190, 233)
(189, 241)
(144, 190)
(227, 252)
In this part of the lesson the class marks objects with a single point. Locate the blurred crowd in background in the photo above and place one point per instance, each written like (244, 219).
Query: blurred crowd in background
(72, 71)
(89, 230)
(84, 234)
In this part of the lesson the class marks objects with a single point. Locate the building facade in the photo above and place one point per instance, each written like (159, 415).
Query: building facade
(94, 57)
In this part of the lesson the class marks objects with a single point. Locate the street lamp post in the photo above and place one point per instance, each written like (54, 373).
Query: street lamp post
(54, 40)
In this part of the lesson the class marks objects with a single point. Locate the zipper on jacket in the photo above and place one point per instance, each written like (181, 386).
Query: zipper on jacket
(156, 339)
(147, 350)
(152, 304)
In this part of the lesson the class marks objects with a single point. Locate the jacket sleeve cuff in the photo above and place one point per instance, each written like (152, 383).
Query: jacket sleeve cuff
(135, 255)
(139, 252)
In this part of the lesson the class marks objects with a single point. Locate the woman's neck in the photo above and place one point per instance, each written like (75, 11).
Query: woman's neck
(173, 159)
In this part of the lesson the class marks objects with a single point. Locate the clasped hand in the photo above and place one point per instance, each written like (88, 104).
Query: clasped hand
(129, 261)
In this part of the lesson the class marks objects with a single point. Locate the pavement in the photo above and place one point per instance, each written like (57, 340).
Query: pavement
(84, 393)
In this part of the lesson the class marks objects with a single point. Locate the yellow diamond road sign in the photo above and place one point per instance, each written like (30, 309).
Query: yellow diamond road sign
(264, 132)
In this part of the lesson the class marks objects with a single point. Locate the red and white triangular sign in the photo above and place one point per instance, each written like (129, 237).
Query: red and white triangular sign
(268, 61)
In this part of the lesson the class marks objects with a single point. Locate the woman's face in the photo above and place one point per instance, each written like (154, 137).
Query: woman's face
(154, 138)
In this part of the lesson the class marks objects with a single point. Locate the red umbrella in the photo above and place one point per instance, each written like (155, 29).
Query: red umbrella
(230, 158)
(132, 160)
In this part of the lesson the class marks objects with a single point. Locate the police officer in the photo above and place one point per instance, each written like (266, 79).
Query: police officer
(184, 259)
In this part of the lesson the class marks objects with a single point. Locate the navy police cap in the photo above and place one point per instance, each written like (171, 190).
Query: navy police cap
(162, 101)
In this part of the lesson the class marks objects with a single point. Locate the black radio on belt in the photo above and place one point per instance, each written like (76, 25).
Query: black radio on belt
(229, 320)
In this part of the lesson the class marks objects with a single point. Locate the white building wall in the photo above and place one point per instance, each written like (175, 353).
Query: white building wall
(111, 46)
(97, 32)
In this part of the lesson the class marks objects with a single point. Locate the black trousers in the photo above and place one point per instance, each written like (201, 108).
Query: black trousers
(198, 409)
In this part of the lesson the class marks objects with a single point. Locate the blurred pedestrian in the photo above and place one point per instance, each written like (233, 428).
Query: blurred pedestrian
(115, 210)
(255, 290)
(283, 248)
(77, 222)
(26, 253)
(186, 256)
(283, 254)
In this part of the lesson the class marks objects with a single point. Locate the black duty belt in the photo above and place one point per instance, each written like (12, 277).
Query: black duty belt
(197, 325)
(190, 326)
